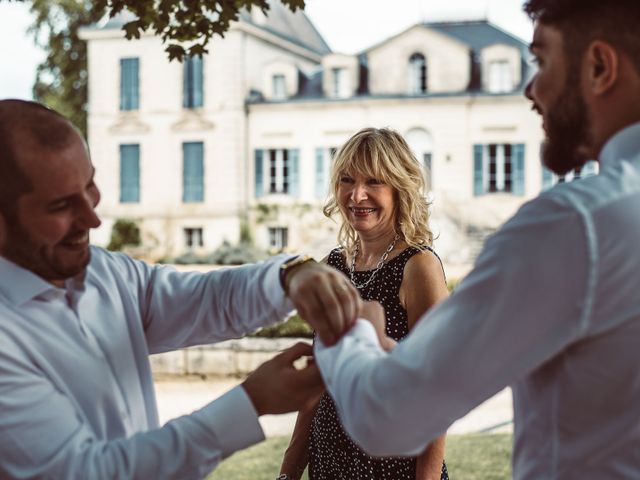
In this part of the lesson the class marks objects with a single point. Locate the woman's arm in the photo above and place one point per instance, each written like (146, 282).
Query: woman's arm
(296, 456)
(423, 286)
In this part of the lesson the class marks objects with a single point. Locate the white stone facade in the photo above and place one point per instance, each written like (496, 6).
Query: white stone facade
(271, 99)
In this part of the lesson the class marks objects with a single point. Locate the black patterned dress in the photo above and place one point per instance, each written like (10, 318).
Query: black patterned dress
(332, 454)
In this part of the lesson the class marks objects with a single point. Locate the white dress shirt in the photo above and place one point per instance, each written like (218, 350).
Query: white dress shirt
(76, 392)
(551, 308)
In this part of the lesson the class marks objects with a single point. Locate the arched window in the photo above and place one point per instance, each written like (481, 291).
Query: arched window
(417, 74)
(421, 145)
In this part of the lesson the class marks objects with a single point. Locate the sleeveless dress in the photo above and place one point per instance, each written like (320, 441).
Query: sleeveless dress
(332, 454)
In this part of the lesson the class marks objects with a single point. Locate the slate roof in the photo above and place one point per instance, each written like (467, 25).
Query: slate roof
(477, 34)
(294, 27)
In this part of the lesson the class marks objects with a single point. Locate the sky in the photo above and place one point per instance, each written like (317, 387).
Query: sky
(348, 26)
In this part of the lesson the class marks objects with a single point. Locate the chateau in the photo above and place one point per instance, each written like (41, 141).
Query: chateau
(243, 137)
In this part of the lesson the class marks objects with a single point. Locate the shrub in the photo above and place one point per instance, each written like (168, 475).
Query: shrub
(125, 233)
(239, 254)
(294, 326)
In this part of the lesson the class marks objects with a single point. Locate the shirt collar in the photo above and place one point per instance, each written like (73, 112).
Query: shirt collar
(19, 285)
(624, 144)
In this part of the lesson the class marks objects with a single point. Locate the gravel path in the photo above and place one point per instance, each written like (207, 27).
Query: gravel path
(184, 395)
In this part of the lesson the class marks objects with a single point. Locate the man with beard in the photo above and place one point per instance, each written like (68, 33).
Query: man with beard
(552, 307)
(77, 324)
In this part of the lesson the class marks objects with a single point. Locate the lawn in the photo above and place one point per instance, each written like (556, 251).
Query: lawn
(468, 457)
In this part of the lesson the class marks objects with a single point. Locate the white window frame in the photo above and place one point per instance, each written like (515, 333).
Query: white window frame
(278, 238)
(279, 86)
(500, 76)
(501, 177)
(193, 237)
(417, 84)
(339, 82)
(277, 161)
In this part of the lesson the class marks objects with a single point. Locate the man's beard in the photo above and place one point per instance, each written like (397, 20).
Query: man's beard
(568, 130)
(23, 251)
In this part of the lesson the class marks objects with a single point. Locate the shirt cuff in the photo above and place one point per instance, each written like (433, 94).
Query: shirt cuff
(273, 285)
(235, 421)
(328, 358)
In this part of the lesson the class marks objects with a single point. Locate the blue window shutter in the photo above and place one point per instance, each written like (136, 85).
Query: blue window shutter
(259, 176)
(198, 84)
(294, 177)
(192, 92)
(320, 180)
(129, 84)
(477, 170)
(187, 83)
(193, 172)
(518, 169)
(129, 173)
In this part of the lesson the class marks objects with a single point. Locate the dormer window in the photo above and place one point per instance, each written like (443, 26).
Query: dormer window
(339, 83)
(279, 91)
(500, 79)
(417, 74)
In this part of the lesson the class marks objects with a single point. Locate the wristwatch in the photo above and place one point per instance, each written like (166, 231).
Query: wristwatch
(289, 265)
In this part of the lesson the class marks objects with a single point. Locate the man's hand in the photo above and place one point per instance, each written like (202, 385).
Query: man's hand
(277, 386)
(325, 298)
(374, 313)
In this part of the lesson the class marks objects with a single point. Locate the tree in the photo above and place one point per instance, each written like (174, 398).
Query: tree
(185, 26)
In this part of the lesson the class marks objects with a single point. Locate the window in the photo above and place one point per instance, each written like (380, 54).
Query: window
(339, 83)
(192, 172)
(426, 162)
(129, 84)
(498, 168)
(278, 237)
(129, 173)
(279, 88)
(324, 156)
(421, 145)
(193, 237)
(192, 95)
(500, 79)
(549, 178)
(276, 171)
(417, 74)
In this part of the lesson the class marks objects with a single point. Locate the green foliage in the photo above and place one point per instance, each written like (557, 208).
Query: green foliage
(238, 254)
(225, 254)
(188, 21)
(245, 233)
(468, 457)
(452, 283)
(61, 80)
(124, 233)
(294, 326)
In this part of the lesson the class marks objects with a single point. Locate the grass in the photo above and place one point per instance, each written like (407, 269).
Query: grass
(468, 457)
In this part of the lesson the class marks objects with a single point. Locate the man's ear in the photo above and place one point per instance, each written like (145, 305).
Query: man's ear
(602, 67)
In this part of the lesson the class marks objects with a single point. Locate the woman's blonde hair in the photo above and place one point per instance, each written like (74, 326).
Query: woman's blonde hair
(383, 154)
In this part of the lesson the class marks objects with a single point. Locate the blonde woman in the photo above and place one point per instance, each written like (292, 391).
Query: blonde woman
(377, 191)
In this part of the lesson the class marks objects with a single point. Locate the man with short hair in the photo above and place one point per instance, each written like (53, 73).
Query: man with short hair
(552, 306)
(77, 324)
